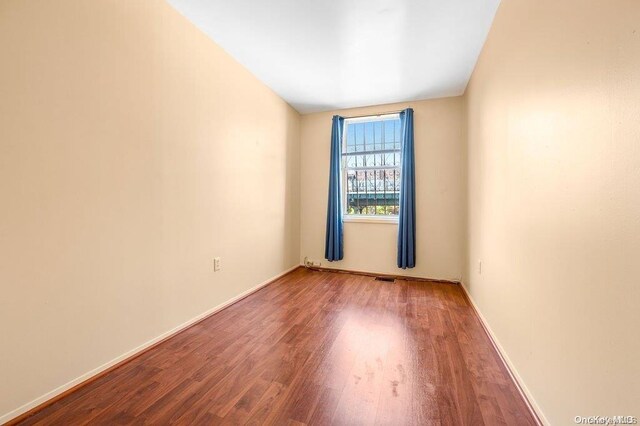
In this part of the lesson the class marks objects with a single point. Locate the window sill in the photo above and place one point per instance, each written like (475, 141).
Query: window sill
(390, 220)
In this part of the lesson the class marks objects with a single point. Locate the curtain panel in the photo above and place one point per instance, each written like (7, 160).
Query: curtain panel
(333, 243)
(407, 219)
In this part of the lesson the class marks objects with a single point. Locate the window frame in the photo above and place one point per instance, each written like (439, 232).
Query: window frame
(384, 219)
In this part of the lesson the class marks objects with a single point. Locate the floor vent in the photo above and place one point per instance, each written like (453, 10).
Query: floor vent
(386, 279)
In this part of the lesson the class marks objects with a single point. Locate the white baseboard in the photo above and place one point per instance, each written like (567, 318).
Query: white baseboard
(522, 388)
(86, 376)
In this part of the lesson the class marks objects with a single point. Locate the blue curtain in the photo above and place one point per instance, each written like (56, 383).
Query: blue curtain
(333, 249)
(407, 220)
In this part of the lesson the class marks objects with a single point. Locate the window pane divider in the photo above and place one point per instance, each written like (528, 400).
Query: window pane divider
(372, 151)
(371, 168)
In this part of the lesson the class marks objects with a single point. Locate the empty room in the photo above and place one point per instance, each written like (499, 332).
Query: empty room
(297, 212)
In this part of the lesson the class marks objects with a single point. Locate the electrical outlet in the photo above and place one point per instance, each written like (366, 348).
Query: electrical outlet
(216, 264)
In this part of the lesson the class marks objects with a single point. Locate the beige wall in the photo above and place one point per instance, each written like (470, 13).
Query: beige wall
(129, 143)
(554, 200)
(132, 151)
(440, 191)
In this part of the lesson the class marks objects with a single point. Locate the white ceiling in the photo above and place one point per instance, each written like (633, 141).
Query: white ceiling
(321, 55)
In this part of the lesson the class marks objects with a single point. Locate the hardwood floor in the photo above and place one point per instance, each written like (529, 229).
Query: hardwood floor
(314, 348)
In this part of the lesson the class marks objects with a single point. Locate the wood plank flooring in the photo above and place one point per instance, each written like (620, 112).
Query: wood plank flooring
(314, 348)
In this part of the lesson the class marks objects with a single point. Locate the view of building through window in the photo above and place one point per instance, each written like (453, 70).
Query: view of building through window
(371, 165)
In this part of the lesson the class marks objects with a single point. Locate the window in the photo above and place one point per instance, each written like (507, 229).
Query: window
(371, 167)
